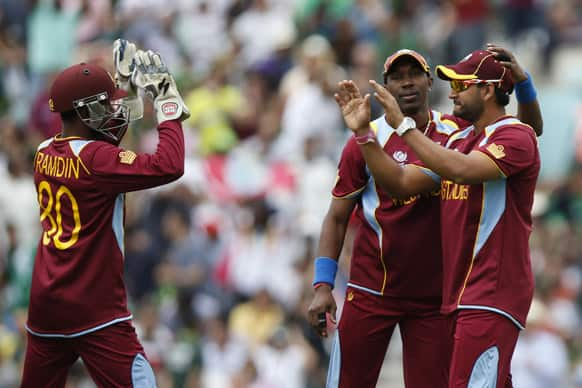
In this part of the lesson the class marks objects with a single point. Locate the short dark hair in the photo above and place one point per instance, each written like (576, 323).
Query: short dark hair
(501, 96)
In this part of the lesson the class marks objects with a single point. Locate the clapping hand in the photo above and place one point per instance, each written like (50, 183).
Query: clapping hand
(355, 108)
(394, 115)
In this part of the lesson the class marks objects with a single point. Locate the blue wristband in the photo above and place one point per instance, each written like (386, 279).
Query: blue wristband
(525, 92)
(325, 270)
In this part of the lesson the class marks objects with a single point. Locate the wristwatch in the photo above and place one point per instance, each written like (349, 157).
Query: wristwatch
(407, 124)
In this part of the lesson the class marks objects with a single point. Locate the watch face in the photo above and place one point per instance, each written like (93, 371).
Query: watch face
(407, 123)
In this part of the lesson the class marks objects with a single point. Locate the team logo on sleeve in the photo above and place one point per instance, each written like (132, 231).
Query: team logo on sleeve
(496, 150)
(127, 157)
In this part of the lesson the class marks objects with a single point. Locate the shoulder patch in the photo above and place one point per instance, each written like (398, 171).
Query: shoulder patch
(127, 157)
(496, 150)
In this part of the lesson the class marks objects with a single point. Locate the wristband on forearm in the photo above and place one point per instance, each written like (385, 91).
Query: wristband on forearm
(525, 92)
(325, 270)
(369, 137)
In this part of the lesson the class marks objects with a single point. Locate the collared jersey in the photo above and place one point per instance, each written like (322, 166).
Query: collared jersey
(486, 226)
(77, 282)
(397, 250)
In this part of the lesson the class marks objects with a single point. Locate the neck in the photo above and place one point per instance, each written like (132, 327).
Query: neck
(74, 130)
(488, 117)
(422, 118)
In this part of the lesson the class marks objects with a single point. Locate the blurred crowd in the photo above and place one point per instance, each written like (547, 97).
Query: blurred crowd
(219, 263)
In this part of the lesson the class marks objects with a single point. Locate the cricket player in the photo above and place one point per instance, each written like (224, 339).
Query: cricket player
(396, 270)
(78, 304)
(486, 174)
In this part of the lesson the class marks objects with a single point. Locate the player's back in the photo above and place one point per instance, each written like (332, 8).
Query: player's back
(77, 284)
(78, 280)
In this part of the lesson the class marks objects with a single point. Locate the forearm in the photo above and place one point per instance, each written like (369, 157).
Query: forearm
(331, 239)
(531, 114)
(386, 172)
(446, 163)
(528, 108)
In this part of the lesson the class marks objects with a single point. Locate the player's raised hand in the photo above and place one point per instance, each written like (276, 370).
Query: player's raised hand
(355, 108)
(507, 59)
(322, 304)
(124, 63)
(152, 76)
(394, 115)
(123, 60)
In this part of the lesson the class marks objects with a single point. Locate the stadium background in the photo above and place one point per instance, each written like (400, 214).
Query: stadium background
(219, 263)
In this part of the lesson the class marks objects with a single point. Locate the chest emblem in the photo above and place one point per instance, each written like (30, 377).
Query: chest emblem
(400, 156)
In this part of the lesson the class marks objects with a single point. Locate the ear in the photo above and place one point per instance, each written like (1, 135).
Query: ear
(488, 92)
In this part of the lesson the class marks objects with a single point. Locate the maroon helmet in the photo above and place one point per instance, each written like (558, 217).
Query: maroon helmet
(89, 90)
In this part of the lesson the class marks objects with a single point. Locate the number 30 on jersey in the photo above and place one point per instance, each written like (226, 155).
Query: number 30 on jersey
(52, 210)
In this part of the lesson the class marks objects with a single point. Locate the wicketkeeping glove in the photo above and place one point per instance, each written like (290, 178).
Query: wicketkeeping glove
(152, 76)
(123, 59)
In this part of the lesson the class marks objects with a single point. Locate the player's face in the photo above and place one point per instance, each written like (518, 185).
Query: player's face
(468, 104)
(409, 84)
(107, 120)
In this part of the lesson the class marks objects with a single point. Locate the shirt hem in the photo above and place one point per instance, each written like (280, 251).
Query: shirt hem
(450, 309)
(396, 295)
(78, 333)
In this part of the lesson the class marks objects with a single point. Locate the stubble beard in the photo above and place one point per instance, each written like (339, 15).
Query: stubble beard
(470, 114)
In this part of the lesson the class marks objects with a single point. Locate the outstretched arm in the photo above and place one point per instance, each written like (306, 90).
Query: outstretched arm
(528, 108)
(455, 166)
(398, 181)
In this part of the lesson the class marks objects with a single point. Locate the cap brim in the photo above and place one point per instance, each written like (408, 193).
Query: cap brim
(417, 57)
(119, 94)
(448, 72)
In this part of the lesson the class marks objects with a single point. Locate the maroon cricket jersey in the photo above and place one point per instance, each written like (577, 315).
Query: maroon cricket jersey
(397, 249)
(486, 226)
(77, 282)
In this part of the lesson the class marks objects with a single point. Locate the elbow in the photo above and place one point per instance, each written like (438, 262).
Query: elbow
(539, 128)
(172, 169)
(177, 172)
(177, 164)
(397, 189)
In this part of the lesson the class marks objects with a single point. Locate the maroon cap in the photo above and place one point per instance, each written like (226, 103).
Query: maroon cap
(81, 81)
(406, 52)
(481, 65)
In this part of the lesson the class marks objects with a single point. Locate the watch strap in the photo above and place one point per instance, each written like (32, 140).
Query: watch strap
(406, 125)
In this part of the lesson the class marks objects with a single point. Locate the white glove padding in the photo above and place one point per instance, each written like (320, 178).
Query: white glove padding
(123, 59)
(152, 76)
